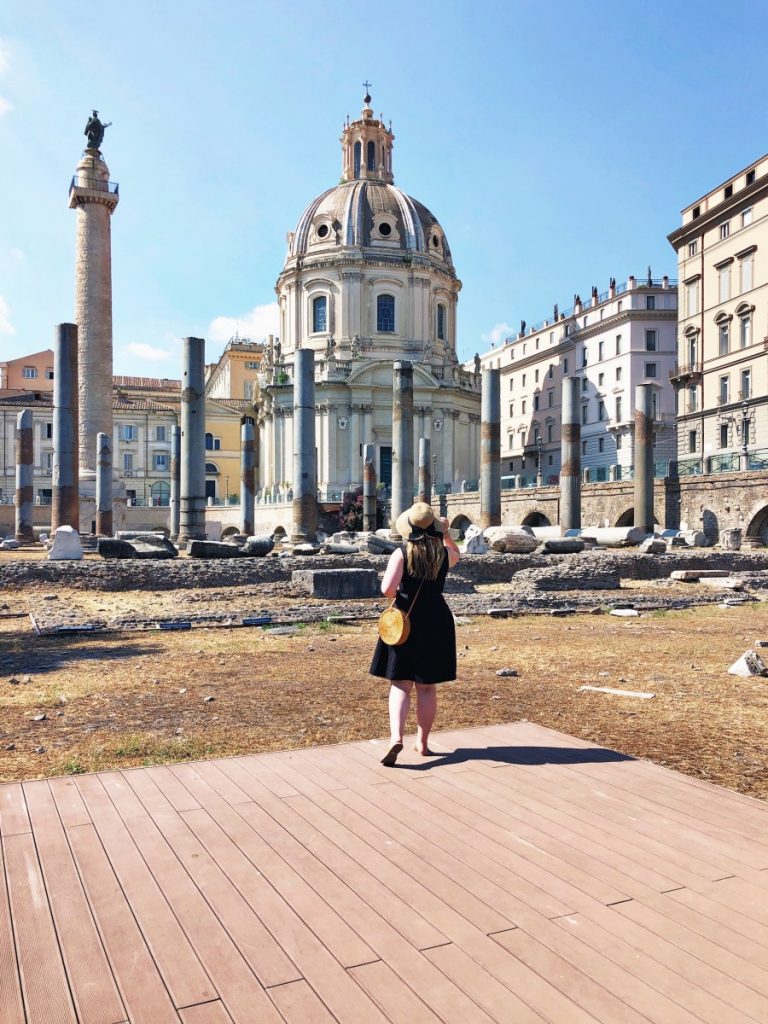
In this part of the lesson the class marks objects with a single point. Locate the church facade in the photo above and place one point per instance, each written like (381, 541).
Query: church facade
(368, 280)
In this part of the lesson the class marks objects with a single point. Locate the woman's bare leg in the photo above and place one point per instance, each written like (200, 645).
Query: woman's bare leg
(426, 709)
(399, 705)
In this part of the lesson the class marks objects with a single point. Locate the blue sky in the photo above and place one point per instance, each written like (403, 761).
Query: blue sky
(555, 141)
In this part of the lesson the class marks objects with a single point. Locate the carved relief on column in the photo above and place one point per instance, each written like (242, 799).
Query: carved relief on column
(355, 459)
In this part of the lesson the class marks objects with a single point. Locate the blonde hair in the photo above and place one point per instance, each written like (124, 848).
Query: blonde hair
(424, 557)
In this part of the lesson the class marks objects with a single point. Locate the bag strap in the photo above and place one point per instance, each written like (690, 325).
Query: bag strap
(406, 615)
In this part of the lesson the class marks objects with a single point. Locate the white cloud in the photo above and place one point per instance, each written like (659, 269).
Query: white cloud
(6, 327)
(148, 352)
(261, 321)
(498, 333)
(5, 106)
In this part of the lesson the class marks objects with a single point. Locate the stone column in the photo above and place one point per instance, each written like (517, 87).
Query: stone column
(95, 199)
(192, 475)
(644, 457)
(304, 472)
(24, 477)
(65, 509)
(402, 439)
(175, 480)
(369, 488)
(425, 470)
(490, 449)
(570, 456)
(354, 446)
(247, 474)
(103, 485)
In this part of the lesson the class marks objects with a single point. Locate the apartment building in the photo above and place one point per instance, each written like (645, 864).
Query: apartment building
(611, 342)
(721, 372)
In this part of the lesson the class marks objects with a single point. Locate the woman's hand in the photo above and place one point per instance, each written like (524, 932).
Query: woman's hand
(444, 521)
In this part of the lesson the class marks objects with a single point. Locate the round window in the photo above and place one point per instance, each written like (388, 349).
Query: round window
(385, 230)
(435, 241)
(322, 231)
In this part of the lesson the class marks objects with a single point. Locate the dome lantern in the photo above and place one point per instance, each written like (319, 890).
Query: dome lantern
(366, 147)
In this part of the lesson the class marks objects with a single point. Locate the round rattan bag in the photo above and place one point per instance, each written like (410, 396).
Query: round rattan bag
(394, 626)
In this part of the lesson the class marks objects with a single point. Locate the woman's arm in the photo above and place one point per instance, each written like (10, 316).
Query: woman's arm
(453, 552)
(393, 573)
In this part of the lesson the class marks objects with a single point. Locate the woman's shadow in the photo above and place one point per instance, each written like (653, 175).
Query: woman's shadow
(519, 755)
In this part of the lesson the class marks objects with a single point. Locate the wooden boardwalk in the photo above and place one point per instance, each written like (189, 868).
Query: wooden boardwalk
(526, 877)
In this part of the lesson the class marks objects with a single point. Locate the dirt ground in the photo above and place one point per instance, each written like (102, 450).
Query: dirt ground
(133, 698)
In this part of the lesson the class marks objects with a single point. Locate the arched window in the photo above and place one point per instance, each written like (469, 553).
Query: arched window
(319, 314)
(357, 152)
(723, 337)
(209, 442)
(212, 468)
(161, 493)
(371, 159)
(441, 322)
(385, 314)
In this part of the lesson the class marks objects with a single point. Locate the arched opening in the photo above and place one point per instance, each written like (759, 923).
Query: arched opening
(278, 532)
(160, 493)
(440, 321)
(710, 525)
(319, 314)
(758, 527)
(461, 523)
(357, 157)
(370, 162)
(536, 519)
(229, 531)
(628, 519)
(385, 314)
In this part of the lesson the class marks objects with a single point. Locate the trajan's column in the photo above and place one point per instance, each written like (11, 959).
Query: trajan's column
(95, 198)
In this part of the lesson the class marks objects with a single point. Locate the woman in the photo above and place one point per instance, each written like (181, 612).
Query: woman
(415, 577)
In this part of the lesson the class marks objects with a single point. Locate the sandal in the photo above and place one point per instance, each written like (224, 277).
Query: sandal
(390, 758)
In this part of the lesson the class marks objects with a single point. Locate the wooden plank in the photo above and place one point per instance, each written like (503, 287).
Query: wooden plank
(93, 988)
(298, 1004)
(205, 1013)
(258, 769)
(136, 973)
(741, 896)
(396, 1000)
(180, 967)
(721, 914)
(43, 978)
(178, 796)
(14, 820)
(245, 929)
(11, 1002)
(69, 803)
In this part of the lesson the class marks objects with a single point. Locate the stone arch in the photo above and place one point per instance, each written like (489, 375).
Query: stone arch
(758, 525)
(229, 531)
(462, 523)
(279, 531)
(710, 524)
(627, 518)
(535, 518)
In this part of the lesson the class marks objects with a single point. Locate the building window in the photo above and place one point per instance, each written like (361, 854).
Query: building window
(550, 429)
(524, 406)
(728, 191)
(750, 179)
(650, 341)
(160, 433)
(696, 212)
(601, 411)
(618, 373)
(252, 365)
(724, 391)
(49, 373)
(127, 462)
(723, 435)
(160, 492)
(601, 444)
(725, 229)
(600, 351)
(600, 379)
(585, 414)
(620, 306)
(724, 283)
(618, 410)
(693, 399)
(523, 380)
(584, 356)
(29, 372)
(746, 217)
(584, 385)
(745, 270)
(652, 370)
(319, 314)
(49, 460)
(357, 159)
(536, 376)
(565, 366)
(535, 403)
(583, 447)
(511, 383)
(618, 442)
(746, 384)
(550, 399)
(385, 314)
(129, 432)
(691, 442)
(551, 373)
(212, 444)
(692, 298)
(723, 340)
(160, 463)
(745, 331)
(693, 248)
(48, 431)
(441, 322)
(650, 302)
(370, 162)
(618, 344)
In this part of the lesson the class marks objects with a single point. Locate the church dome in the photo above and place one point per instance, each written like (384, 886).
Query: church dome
(369, 214)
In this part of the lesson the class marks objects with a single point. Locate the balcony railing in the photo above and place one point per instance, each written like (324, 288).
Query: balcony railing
(727, 463)
(685, 370)
(95, 185)
(690, 467)
(758, 459)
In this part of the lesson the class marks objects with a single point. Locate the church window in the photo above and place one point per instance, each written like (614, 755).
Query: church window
(441, 322)
(385, 314)
(436, 241)
(371, 161)
(357, 157)
(319, 314)
(385, 229)
(322, 231)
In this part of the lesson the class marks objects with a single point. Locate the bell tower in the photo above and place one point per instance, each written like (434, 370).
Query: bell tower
(366, 147)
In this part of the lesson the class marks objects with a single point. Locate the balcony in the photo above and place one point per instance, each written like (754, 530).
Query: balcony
(685, 373)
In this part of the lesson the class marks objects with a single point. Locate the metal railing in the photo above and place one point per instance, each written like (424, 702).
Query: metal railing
(727, 463)
(758, 459)
(95, 185)
(690, 467)
(685, 370)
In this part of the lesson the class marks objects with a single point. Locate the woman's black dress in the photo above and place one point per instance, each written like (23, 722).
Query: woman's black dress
(429, 653)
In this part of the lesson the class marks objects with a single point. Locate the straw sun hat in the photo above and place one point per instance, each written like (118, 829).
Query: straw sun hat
(418, 517)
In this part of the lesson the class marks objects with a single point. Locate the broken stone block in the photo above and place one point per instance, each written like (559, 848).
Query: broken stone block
(380, 546)
(9, 544)
(726, 583)
(694, 575)
(730, 540)
(340, 549)
(511, 540)
(474, 542)
(563, 546)
(695, 538)
(212, 549)
(653, 546)
(306, 549)
(257, 547)
(749, 664)
(614, 536)
(337, 584)
(66, 545)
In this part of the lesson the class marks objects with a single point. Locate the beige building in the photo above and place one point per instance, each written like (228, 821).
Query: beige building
(611, 342)
(27, 373)
(721, 373)
(236, 374)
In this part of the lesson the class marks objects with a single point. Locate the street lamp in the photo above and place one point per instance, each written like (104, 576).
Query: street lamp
(744, 436)
(226, 490)
(539, 444)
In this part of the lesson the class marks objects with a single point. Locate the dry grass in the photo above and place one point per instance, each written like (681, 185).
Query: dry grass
(117, 700)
